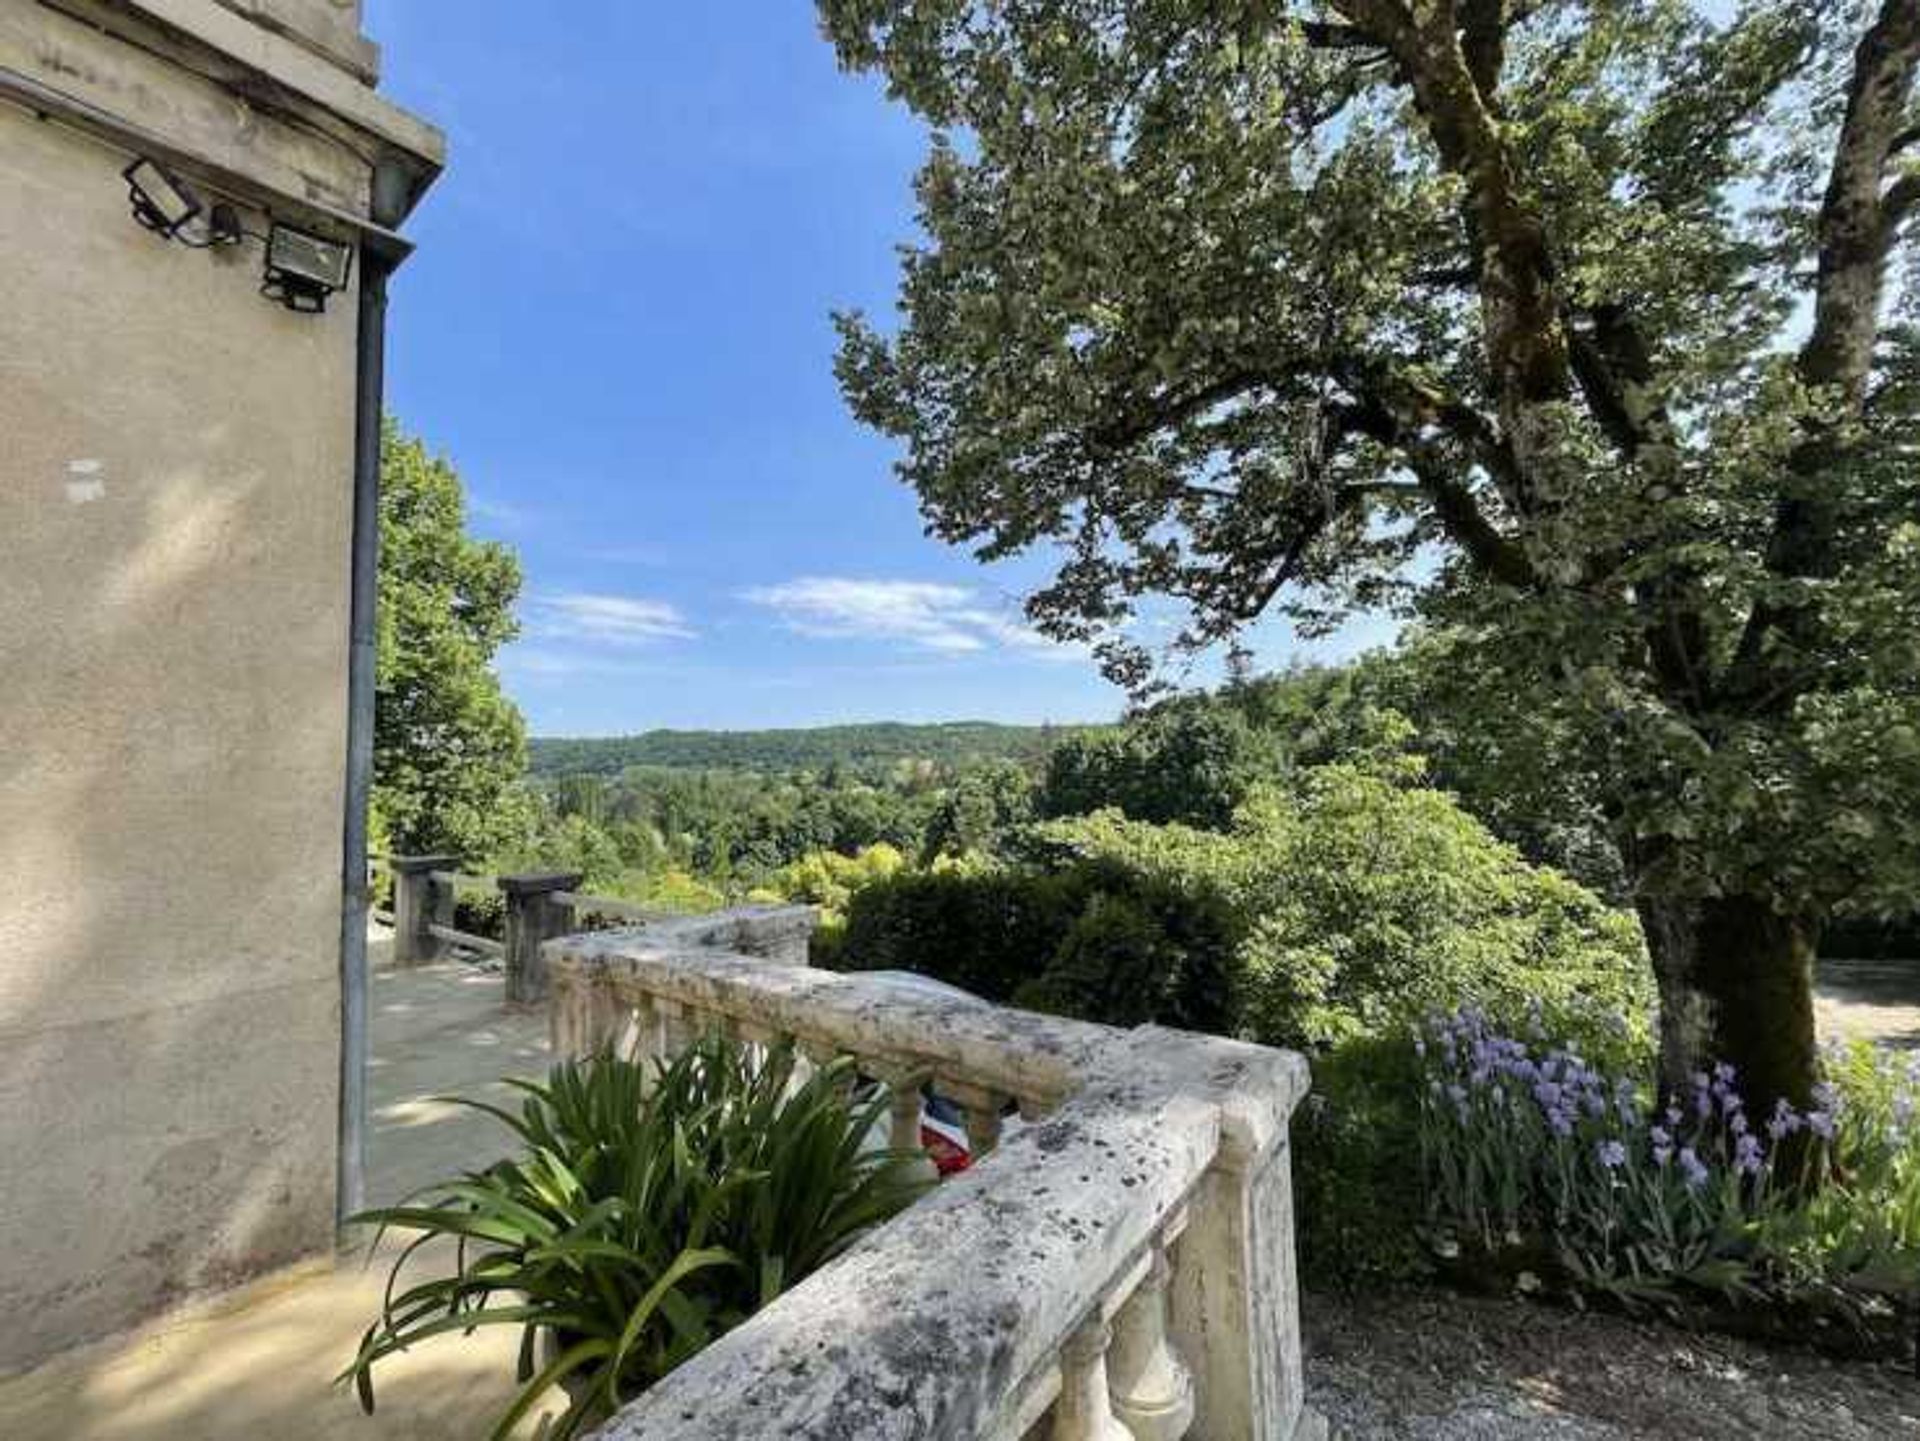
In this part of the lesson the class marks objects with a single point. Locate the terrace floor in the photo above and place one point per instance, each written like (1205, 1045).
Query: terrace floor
(258, 1365)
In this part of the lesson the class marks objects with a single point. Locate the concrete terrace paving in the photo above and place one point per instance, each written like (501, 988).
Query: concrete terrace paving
(258, 1365)
(441, 1031)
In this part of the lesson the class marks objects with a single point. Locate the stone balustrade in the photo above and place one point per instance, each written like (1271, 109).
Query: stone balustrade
(1119, 1267)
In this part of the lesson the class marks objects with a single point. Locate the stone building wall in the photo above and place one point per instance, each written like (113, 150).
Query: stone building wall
(176, 466)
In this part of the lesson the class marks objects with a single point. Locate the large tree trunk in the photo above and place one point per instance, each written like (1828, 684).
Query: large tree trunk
(1736, 985)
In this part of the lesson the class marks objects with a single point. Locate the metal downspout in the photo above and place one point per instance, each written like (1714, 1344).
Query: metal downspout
(351, 1176)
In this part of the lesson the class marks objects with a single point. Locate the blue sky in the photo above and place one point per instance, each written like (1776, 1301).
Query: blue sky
(617, 328)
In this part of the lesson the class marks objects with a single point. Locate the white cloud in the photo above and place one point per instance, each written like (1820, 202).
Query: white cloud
(607, 619)
(925, 615)
(500, 512)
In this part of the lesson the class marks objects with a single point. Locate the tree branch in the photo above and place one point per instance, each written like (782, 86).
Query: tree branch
(1157, 412)
(1452, 501)
(1526, 347)
(1857, 224)
(1852, 228)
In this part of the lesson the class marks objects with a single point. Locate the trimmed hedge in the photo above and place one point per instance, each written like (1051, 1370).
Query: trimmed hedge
(1094, 940)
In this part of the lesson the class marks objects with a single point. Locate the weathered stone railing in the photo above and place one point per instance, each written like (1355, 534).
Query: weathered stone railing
(539, 906)
(1121, 1267)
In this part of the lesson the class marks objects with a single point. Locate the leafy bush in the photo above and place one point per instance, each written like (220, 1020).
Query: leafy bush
(638, 1225)
(1092, 939)
(1188, 761)
(1355, 1140)
(1332, 918)
(1364, 901)
(1536, 1160)
(1136, 955)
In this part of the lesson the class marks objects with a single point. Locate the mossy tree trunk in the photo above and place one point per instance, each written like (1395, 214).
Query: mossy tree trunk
(1736, 985)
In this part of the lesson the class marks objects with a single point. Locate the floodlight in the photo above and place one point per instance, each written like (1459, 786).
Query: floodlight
(303, 269)
(161, 200)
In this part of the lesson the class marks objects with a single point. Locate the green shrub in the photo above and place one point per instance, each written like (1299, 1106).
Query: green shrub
(1187, 761)
(1095, 939)
(1358, 1197)
(986, 932)
(1363, 902)
(1134, 954)
(638, 1225)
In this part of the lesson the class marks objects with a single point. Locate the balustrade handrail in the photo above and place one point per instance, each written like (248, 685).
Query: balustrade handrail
(462, 880)
(993, 1299)
(454, 936)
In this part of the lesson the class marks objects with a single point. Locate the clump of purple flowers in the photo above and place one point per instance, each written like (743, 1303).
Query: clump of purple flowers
(1525, 1140)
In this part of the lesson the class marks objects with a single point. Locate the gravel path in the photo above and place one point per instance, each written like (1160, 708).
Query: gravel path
(1441, 1367)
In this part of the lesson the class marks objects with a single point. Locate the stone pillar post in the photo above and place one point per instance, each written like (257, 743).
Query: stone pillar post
(533, 917)
(1236, 1298)
(419, 901)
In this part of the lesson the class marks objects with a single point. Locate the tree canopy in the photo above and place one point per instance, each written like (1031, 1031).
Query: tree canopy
(1574, 328)
(448, 746)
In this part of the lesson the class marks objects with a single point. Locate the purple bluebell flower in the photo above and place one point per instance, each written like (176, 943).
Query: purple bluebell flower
(1821, 1124)
(1746, 1154)
(1662, 1155)
(1613, 1155)
(1660, 1136)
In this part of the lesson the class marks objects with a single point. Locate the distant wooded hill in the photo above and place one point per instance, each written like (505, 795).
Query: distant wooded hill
(813, 748)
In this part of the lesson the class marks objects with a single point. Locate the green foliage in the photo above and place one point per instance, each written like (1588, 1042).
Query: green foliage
(1357, 1200)
(979, 807)
(1094, 940)
(1190, 763)
(870, 750)
(646, 1216)
(448, 746)
(828, 881)
(1364, 901)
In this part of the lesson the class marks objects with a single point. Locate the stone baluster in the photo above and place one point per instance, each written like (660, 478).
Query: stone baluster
(982, 1109)
(1151, 1386)
(639, 1038)
(903, 1085)
(817, 1056)
(1083, 1410)
(534, 917)
(1235, 1304)
(566, 1017)
(420, 901)
(675, 1031)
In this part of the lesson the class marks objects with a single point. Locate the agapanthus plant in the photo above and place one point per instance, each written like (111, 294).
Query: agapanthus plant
(1533, 1150)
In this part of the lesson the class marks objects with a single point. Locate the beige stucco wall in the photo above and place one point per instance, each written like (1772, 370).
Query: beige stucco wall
(176, 464)
(175, 505)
